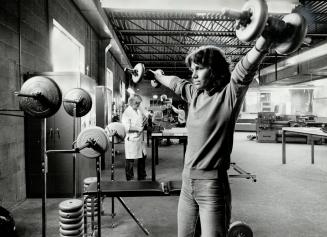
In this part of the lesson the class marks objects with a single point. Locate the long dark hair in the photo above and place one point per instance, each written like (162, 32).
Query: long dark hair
(213, 58)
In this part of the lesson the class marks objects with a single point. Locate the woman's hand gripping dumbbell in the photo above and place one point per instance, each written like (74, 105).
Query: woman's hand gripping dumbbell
(138, 73)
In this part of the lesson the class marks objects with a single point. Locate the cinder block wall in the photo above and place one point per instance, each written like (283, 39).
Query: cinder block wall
(25, 28)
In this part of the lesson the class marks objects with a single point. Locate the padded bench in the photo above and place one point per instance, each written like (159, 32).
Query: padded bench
(135, 188)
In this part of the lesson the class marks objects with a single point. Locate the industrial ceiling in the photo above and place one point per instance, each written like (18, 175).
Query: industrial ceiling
(162, 39)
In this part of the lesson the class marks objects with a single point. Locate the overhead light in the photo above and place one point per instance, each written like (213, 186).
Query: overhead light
(155, 97)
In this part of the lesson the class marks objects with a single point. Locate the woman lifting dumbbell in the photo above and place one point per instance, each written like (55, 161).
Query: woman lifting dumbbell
(215, 97)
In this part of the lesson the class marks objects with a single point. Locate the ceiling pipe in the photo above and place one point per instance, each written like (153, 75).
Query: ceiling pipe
(97, 18)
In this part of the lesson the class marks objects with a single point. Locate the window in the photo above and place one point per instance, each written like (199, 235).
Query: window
(67, 53)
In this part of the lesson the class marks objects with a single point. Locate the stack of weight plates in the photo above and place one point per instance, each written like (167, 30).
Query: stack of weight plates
(91, 201)
(71, 218)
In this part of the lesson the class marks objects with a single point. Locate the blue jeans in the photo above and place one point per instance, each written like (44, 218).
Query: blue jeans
(204, 207)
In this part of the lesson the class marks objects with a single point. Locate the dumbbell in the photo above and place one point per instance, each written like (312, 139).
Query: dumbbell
(139, 72)
(253, 19)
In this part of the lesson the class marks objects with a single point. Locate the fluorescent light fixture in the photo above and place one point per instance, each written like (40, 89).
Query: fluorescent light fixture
(274, 6)
(130, 91)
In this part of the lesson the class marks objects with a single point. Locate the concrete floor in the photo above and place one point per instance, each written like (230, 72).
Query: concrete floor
(286, 201)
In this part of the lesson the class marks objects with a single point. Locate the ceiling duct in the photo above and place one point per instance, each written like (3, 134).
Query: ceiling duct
(307, 65)
(96, 17)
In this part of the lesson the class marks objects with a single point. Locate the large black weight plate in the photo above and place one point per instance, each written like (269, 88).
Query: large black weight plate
(47, 103)
(239, 229)
(79, 99)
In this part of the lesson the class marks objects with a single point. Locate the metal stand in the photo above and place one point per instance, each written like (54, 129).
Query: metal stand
(119, 198)
(44, 186)
(98, 168)
(74, 154)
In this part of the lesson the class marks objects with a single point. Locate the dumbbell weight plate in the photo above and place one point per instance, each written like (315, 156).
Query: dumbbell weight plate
(254, 28)
(297, 27)
(239, 229)
(139, 69)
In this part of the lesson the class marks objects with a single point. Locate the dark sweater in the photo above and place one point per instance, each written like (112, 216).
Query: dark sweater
(211, 121)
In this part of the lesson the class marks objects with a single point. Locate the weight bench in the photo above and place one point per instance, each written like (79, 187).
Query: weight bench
(120, 189)
(135, 189)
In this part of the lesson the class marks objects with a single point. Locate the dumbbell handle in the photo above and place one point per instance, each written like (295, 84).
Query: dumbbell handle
(131, 71)
(33, 95)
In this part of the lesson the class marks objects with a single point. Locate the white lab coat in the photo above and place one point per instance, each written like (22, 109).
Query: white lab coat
(134, 145)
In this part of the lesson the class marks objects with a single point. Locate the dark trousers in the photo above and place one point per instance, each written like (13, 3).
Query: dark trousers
(129, 168)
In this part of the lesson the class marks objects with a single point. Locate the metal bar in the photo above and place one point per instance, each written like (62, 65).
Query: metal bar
(153, 159)
(189, 45)
(133, 216)
(312, 150)
(98, 168)
(175, 17)
(44, 171)
(131, 32)
(283, 147)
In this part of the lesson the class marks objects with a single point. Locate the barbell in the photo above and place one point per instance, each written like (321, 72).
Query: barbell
(39, 97)
(253, 20)
(138, 73)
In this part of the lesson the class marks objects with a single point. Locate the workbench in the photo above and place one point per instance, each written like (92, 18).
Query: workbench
(311, 132)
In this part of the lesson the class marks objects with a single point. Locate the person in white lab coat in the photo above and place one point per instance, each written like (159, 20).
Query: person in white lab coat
(134, 120)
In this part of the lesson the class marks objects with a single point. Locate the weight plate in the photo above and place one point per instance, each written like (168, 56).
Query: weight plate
(239, 229)
(77, 102)
(297, 29)
(47, 103)
(139, 72)
(117, 128)
(257, 22)
(95, 135)
(71, 205)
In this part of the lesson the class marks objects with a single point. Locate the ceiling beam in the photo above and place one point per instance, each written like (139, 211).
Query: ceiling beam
(131, 32)
(190, 45)
(213, 17)
(184, 54)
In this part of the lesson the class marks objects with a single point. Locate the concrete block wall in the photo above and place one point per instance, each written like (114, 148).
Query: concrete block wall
(25, 29)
